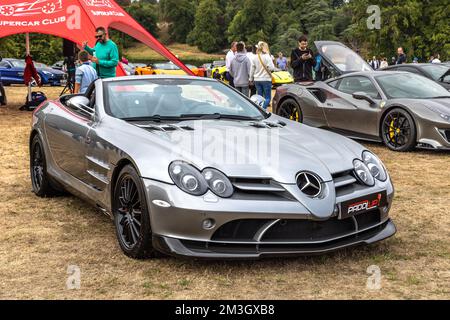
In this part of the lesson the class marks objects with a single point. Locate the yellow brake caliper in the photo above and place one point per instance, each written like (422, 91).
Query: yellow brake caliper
(393, 130)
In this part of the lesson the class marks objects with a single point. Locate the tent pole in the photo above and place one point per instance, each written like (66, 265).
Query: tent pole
(27, 48)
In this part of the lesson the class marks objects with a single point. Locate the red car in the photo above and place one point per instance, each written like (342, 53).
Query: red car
(31, 8)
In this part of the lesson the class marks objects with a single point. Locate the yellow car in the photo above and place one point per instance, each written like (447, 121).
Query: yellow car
(278, 77)
(166, 68)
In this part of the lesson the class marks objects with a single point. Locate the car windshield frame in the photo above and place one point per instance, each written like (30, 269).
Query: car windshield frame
(413, 93)
(259, 113)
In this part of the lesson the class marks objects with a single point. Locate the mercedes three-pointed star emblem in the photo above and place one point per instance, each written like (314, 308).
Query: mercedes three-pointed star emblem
(309, 184)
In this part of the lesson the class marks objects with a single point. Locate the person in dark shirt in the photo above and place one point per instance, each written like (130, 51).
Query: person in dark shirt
(302, 61)
(401, 56)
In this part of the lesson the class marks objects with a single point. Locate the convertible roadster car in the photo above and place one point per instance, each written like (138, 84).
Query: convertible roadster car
(403, 110)
(189, 167)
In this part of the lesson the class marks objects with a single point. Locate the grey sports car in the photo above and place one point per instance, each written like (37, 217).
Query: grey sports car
(401, 109)
(189, 167)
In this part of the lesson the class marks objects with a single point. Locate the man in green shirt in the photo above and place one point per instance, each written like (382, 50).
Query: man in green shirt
(105, 54)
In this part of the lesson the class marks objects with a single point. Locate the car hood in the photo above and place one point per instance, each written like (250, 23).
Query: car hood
(245, 149)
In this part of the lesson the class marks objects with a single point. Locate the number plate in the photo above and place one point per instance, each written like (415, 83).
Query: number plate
(362, 205)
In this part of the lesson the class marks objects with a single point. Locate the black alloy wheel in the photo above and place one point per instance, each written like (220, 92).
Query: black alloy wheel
(290, 109)
(131, 216)
(398, 130)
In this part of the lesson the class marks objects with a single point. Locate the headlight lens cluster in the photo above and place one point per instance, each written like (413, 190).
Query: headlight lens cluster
(197, 183)
(369, 169)
(375, 166)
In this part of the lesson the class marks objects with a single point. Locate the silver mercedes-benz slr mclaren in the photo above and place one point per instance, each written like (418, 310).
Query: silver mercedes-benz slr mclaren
(189, 167)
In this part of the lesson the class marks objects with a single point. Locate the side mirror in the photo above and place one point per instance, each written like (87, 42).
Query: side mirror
(258, 100)
(363, 96)
(81, 104)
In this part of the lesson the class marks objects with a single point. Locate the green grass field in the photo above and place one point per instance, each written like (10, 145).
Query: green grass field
(188, 54)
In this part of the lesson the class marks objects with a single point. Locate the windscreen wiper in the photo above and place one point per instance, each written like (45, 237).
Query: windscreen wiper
(155, 118)
(216, 116)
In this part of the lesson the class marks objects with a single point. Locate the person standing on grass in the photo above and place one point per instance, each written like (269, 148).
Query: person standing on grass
(105, 54)
(401, 56)
(261, 73)
(302, 61)
(240, 69)
(230, 57)
(85, 74)
(282, 62)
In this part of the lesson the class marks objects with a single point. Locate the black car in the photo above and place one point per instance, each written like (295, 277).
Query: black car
(437, 72)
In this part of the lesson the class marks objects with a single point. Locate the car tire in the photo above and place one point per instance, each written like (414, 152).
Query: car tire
(40, 181)
(131, 215)
(291, 110)
(398, 130)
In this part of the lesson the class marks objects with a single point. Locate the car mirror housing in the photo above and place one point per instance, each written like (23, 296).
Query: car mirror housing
(81, 104)
(258, 100)
(363, 96)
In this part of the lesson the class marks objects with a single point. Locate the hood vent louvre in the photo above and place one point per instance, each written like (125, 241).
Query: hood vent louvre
(268, 124)
(165, 128)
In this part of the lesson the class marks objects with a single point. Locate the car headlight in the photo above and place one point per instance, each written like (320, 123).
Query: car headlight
(218, 183)
(188, 178)
(440, 113)
(363, 173)
(375, 166)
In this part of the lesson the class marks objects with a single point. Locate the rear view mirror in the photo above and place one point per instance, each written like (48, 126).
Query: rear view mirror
(258, 100)
(82, 105)
(363, 96)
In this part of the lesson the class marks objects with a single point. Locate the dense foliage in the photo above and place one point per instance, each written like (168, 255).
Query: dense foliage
(420, 26)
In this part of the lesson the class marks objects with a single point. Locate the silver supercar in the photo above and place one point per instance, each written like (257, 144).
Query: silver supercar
(190, 167)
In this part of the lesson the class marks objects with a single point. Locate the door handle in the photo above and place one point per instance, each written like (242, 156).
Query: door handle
(329, 104)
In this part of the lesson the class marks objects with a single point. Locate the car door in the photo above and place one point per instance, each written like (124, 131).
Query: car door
(99, 151)
(67, 131)
(352, 116)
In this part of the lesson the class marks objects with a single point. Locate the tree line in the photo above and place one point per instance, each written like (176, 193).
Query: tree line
(421, 27)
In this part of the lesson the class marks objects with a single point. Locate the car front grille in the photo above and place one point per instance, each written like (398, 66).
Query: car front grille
(294, 230)
(259, 189)
(345, 183)
(447, 134)
(281, 247)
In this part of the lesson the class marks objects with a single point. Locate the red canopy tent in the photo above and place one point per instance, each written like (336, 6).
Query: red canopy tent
(75, 20)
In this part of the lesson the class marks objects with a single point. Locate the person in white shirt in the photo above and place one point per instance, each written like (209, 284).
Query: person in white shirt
(261, 72)
(437, 59)
(384, 63)
(230, 57)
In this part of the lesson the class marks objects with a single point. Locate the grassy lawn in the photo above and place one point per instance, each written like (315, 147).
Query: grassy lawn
(188, 54)
(40, 238)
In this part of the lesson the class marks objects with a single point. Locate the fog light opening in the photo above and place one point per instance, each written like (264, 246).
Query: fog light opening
(209, 224)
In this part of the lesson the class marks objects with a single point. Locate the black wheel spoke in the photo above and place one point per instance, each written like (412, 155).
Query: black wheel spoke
(129, 212)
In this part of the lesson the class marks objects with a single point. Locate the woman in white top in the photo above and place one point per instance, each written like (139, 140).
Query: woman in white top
(261, 72)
